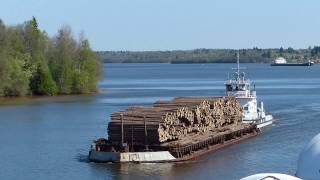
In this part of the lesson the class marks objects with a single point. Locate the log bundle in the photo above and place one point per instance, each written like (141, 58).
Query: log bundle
(136, 125)
(198, 115)
(173, 120)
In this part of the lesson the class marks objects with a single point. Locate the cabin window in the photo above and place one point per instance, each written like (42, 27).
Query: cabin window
(246, 108)
(229, 87)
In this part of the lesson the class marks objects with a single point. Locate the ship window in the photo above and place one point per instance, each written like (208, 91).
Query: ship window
(229, 87)
(246, 108)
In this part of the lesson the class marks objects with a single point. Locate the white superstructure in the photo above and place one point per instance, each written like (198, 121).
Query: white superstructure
(309, 160)
(308, 165)
(280, 60)
(239, 87)
(270, 176)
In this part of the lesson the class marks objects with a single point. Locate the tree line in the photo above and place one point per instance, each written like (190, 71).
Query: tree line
(253, 55)
(32, 63)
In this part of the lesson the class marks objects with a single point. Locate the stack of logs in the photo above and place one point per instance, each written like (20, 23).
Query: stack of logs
(172, 120)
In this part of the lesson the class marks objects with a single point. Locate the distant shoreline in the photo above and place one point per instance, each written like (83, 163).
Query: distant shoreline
(203, 56)
(180, 63)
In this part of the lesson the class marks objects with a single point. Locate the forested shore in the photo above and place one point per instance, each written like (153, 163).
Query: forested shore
(32, 63)
(254, 55)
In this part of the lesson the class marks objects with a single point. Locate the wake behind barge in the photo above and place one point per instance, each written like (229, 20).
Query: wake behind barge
(170, 131)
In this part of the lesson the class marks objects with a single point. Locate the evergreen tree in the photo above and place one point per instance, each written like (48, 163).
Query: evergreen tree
(42, 82)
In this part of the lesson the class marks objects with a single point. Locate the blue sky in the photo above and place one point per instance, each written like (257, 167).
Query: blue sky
(175, 24)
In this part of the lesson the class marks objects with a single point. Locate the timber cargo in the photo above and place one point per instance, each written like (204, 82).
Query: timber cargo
(175, 130)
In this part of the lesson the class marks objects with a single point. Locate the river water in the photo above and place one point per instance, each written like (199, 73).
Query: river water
(48, 138)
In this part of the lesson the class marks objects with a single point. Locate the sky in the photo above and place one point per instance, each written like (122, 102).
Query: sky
(144, 25)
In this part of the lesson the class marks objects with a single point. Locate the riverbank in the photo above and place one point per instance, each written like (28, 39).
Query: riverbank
(27, 100)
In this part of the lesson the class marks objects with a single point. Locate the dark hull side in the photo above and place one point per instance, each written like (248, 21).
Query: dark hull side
(212, 148)
(293, 64)
(181, 152)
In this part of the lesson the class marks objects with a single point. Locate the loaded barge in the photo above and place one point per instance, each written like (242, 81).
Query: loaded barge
(183, 128)
(170, 131)
(104, 151)
(282, 62)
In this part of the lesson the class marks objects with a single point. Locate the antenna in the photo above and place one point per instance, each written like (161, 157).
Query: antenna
(238, 62)
(238, 68)
(237, 76)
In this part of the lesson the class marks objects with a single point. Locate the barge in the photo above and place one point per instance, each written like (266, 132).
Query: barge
(282, 62)
(171, 131)
(183, 128)
(104, 151)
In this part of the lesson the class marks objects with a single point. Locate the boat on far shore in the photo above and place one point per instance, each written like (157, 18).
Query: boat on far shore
(280, 61)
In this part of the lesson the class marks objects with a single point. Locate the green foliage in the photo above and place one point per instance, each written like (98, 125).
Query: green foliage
(65, 55)
(315, 51)
(42, 82)
(86, 72)
(89, 66)
(15, 80)
(32, 63)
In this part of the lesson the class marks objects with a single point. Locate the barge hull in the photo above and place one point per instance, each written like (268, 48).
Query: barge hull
(292, 64)
(176, 154)
(213, 148)
(122, 157)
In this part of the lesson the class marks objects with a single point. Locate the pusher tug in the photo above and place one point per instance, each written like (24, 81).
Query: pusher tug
(239, 87)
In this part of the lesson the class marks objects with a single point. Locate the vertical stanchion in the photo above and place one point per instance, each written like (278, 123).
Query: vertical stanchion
(145, 134)
(121, 116)
(132, 137)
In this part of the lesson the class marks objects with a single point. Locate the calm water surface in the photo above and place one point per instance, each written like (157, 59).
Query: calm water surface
(48, 138)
